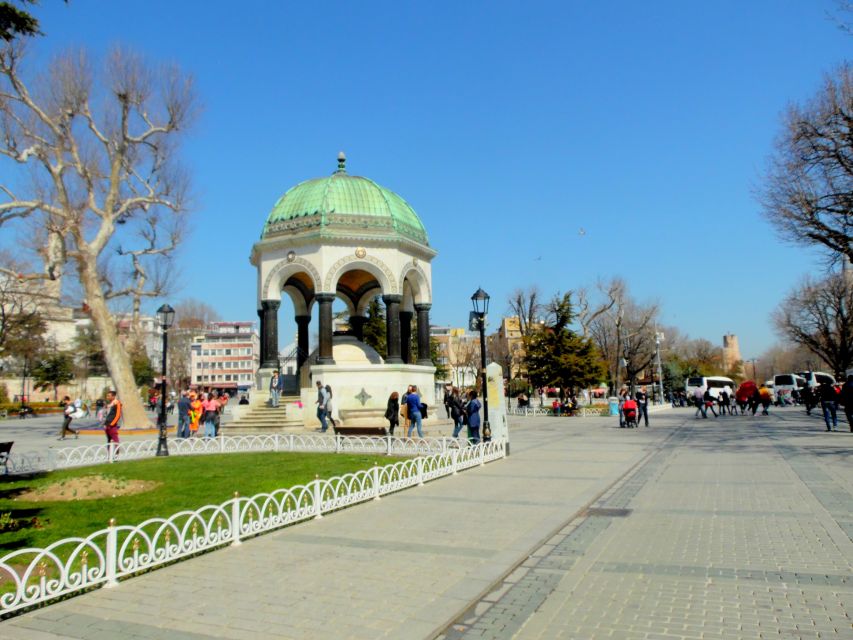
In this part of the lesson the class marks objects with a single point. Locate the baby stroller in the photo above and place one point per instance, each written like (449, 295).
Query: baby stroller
(629, 414)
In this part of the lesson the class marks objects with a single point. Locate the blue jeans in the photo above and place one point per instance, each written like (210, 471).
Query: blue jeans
(415, 421)
(183, 426)
(457, 427)
(209, 429)
(829, 409)
(321, 416)
(474, 435)
(274, 395)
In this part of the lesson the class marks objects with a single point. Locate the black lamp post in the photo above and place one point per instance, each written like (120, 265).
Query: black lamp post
(480, 299)
(165, 314)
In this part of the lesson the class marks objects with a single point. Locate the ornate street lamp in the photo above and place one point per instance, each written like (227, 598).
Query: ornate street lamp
(166, 315)
(480, 300)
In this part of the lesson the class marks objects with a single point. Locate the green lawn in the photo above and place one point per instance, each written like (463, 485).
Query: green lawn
(188, 482)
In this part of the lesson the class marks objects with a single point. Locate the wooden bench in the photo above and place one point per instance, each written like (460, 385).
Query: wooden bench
(5, 451)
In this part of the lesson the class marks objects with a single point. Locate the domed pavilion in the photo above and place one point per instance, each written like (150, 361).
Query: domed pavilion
(346, 237)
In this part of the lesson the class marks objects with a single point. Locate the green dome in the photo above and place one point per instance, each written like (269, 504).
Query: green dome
(344, 203)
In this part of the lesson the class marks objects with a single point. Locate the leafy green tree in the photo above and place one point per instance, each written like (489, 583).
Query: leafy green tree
(374, 327)
(16, 22)
(140, 363)
(89, 353)
(557, 356)
(53, 369)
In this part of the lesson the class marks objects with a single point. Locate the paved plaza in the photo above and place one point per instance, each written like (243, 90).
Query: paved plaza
(739, 527)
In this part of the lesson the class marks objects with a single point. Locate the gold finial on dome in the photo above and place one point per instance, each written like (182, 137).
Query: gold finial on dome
(342, 162)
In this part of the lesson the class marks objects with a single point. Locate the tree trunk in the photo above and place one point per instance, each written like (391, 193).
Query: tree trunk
(118, 363)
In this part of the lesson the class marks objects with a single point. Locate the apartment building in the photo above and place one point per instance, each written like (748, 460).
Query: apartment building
(226, 357)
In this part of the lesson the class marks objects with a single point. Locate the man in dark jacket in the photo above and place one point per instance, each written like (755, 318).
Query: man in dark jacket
(847, 399)
(184, 415)
(829, 404)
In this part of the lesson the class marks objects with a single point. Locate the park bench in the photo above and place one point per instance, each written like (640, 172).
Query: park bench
(5, 451)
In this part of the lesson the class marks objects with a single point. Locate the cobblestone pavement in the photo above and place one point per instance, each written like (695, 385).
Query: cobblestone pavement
(734, 528)
(739, 527)
(402, 567)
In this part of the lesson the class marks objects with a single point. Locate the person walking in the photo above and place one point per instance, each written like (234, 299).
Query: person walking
(472, 410)
(329, 406)
(828, 403)
(457, 412)
(766, 398)
(413, 405)
(642, 399)
(699, 402)
(68, 415)
(709, 402)
(221, 403)
(847, 399)
(623, 395)
(448, 394)
(196, 412)
(392, 412)
(276, 385)
(210, 405)
(321, 407)
(184, 408)
(112, 421)
(404, 409)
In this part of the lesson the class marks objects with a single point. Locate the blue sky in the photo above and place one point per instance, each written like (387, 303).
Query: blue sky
(508, 126)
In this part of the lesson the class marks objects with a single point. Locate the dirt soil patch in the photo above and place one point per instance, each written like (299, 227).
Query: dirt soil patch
(87, 488)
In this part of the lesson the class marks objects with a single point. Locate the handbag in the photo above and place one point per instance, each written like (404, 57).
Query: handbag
(423, 409)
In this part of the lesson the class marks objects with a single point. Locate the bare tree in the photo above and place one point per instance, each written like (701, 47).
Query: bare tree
(819, 316)
(101, 158)
(625, 336)
(525, 304)
(808, 190)
(588, 311)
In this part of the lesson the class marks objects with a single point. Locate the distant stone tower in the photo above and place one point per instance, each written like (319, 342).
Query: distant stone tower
(731, 351)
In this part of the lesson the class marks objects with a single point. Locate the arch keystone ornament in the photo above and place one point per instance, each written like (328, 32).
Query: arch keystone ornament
(344, 237)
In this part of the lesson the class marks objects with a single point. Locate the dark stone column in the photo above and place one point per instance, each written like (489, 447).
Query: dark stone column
(356, 323)
(301, 340)
(325, 300)
(423, 334)
(392, 321)
(269, 337)
(406, 336)
(261, 329)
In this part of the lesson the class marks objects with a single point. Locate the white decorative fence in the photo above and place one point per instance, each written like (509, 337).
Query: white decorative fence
(78, 564)
(68, 457)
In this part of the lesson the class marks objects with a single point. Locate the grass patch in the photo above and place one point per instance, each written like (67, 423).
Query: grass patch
(179, 483)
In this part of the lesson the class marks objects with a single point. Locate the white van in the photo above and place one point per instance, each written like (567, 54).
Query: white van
(784, 384)
(814, 378)
(713, 383)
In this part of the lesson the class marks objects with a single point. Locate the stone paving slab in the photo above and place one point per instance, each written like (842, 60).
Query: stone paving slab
(736, 528)
(401, 567)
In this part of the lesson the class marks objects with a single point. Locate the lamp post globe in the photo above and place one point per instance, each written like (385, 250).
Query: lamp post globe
(166, 316)
(480, 300)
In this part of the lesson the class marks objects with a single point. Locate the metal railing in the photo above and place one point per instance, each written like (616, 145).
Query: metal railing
(74, 565)
(69, 457)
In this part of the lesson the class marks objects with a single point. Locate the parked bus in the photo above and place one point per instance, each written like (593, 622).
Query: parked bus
(713, 383)
(788, 385)
(814, 378)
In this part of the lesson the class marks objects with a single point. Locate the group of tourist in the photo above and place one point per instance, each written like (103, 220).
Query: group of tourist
(830, 396)
(464, 410)
(633, 406)
(199, 408)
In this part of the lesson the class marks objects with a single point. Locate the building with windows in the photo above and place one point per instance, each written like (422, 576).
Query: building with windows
(226, 357)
